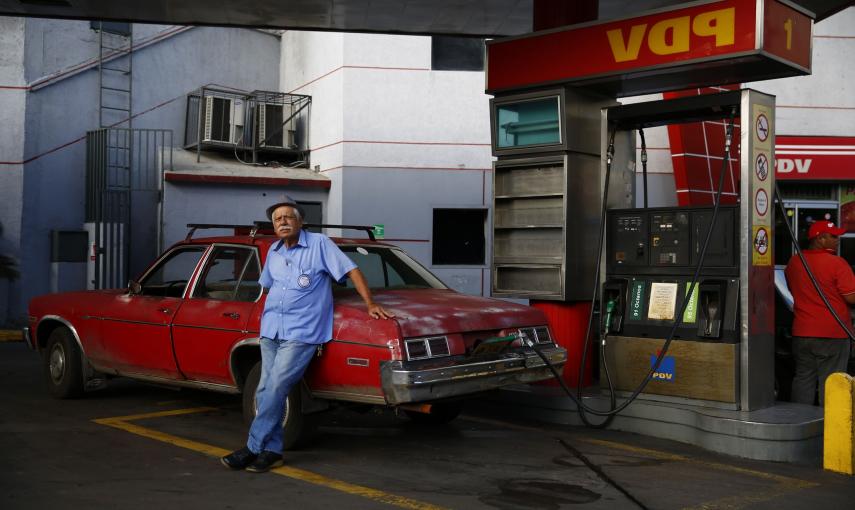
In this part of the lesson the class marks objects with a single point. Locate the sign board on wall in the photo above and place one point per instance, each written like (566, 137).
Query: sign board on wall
(731, 40)
(812, 158)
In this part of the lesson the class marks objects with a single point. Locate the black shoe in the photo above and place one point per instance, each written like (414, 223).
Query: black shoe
(266, 461)
(239, 459)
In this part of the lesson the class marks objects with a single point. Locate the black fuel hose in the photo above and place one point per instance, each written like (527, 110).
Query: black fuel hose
(643, 163)
(678, 319)
(610, 152)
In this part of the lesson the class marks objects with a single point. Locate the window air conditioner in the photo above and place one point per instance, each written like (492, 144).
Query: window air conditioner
(271, 132)
(223, 119)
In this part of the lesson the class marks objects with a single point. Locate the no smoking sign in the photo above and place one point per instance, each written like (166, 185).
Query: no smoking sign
(761, 254)
(761, 167)
(761, 127)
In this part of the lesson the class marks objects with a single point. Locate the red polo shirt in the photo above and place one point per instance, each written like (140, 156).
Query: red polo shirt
(836, 280)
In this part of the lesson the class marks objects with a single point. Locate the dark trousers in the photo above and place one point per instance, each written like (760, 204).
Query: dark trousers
(816, 359)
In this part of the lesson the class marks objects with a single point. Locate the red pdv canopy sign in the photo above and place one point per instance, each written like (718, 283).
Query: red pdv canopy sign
(713, 43)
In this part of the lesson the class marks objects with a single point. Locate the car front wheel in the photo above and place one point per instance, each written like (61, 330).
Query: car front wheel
(63, 366)
(296, 428)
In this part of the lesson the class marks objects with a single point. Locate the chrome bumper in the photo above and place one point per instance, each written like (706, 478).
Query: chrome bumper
(405, 382)
(27, 338)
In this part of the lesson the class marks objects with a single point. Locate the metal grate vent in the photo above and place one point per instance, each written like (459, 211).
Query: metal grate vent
(432, 347)
(542, 334)
(416, 349)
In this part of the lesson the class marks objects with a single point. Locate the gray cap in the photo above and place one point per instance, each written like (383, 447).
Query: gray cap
(285, 200)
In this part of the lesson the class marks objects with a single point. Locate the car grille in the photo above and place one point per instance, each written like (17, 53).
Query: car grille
(423, 348)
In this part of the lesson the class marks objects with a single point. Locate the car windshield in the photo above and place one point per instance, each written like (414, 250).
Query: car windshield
(389, 268)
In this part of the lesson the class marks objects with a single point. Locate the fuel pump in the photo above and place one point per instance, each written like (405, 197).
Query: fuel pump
(724, 351)
(684, 319)
(663, 289)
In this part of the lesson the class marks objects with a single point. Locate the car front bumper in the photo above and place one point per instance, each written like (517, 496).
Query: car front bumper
(406, 382)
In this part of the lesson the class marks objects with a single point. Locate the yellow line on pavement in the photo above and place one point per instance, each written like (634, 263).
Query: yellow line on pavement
(123, 423)
(11, 335)
(792, 482)
(156, 414)
(782, 484)
(163, 437)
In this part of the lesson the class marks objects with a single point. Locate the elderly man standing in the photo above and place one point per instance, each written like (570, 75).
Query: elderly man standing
(820, 345)
(297, 317)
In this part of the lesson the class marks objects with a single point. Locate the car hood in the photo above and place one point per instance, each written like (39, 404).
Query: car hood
(421, 312)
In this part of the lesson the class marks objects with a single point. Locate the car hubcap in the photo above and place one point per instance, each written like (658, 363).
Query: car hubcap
(57, 363)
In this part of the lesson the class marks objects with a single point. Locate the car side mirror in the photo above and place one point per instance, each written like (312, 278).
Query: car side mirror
(134, 287)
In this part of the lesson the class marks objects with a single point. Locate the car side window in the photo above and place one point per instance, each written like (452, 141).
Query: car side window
(230, 274)
(378, 273)
(169, 278)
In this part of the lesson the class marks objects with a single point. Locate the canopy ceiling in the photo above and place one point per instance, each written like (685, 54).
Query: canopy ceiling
(485, 18)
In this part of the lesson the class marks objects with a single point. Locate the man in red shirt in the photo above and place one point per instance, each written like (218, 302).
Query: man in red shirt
(820, 345)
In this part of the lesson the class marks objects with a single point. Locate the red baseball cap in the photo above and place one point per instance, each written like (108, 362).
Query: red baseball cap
(824, 227)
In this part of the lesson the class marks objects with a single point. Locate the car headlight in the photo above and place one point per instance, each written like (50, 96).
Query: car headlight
(424, 348)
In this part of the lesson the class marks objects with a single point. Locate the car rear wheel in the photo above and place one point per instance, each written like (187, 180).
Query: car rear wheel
(439, 414)
(296, 428)
(63, 366)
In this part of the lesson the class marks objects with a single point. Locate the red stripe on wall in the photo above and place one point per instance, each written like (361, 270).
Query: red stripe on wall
(697, 150)
(239, 179)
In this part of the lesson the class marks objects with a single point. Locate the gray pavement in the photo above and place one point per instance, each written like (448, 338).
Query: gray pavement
(153, 447)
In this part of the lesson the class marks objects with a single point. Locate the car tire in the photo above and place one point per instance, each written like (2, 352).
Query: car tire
(439, 414)
(297, 430)
(63, 365)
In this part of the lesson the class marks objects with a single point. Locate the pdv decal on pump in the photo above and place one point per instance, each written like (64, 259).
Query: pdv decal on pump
(666, 371)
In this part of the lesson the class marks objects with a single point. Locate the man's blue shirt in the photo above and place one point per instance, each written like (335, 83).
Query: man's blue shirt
(299, 305)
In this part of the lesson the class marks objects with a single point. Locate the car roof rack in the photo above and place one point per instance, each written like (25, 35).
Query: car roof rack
(266, 225)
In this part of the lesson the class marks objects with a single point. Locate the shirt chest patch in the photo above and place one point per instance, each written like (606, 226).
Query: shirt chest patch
(304, 281)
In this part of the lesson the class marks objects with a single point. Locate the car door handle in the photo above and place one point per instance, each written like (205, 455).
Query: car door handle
(231, 315)
(164, 310)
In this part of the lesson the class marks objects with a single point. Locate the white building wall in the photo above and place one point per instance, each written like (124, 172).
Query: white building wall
(396, 138)
(48, 192)
(822, 103)
(12, 118)
(312, 64)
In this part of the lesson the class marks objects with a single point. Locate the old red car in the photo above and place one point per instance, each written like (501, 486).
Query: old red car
(192, 320)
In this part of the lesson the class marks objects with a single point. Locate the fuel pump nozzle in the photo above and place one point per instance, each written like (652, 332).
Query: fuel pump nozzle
(610, 308)
(711, 307)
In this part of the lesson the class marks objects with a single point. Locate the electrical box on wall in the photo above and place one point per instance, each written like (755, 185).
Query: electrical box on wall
(546, 188)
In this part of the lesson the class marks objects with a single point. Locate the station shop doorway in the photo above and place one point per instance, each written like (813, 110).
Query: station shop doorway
(806, 203)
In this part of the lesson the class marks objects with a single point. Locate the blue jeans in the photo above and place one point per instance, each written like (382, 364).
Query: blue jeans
(282, 365)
